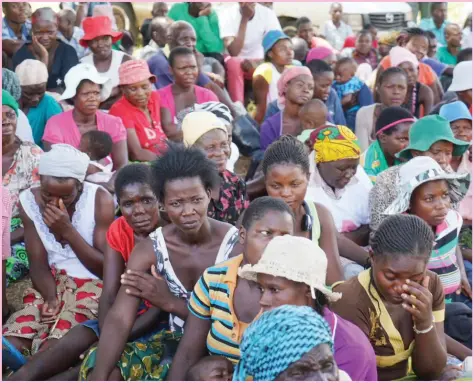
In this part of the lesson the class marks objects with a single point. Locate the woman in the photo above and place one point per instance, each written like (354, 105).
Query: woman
(392, 90)
(177, 255)
(264, 219)
(278, 51)
(467, 33)
(391, 132)
(19, 172)
(364, 52)
(430, 136)
(34, 102)
(147, 122)
(99, 38)
(300, 280)
(322, 53)
(425, 190)
(336, 181)
(286, 171)
(397, 294)
(140, 216)
(419, 99)
(428, 192)
(299, 329)
(85, 88)
(417, 42)
(66, 221)
(295, 88)
(59, 57)
(205, 131)
(183, 93)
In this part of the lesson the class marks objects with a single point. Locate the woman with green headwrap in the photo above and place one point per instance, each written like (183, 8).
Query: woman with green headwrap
(20, 161)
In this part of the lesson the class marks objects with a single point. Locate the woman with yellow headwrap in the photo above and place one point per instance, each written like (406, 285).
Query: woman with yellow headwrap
(338, 182)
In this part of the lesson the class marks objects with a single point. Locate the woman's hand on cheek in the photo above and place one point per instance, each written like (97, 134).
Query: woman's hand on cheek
(418, 301)
(57, 218)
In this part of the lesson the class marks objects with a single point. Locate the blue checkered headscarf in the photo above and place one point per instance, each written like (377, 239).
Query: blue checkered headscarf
(278, 339)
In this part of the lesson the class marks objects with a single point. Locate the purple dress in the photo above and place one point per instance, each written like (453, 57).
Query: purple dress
(270, 130)
(352, 350)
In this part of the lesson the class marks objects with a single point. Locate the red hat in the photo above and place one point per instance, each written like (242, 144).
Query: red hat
(349, 42)
(133, 71)
(98, 26)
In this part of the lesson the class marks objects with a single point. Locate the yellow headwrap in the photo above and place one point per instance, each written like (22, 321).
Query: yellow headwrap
(335, 143)
(389, 38)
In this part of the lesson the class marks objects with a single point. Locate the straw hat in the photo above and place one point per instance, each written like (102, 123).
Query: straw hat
(296, 259)
(82, 72)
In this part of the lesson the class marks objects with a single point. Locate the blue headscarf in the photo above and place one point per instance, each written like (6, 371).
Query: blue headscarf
(279, 338)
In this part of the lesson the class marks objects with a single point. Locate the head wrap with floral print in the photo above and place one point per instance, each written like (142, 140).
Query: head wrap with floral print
(334, 143)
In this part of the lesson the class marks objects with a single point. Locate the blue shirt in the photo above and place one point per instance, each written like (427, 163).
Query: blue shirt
(39, 116)
(8, 34)
(333, 103)
(159, 66)
(64, 59)
(437, 66)
(429, 25)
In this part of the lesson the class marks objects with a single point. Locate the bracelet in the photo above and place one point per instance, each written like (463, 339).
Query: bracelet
(426, 330)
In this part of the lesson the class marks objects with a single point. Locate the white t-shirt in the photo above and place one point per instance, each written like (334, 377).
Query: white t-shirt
(351, 210)
(263, 21)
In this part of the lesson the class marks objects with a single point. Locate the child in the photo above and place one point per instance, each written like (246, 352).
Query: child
(98, 146)
(352, 91)
(313, 115)
(211, 368)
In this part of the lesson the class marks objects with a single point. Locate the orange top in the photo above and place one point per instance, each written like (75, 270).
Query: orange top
(425, 73)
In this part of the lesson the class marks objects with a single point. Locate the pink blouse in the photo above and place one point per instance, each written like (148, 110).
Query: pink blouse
(167, 99)
(62, 129)
(6, 217)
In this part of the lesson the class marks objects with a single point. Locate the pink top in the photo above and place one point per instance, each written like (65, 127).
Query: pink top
(167, 99)
(62, 129)
(6, 217)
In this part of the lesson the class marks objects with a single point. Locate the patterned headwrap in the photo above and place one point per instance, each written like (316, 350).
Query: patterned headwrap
(220, 110)
(279, 338)
(334, 143)
(11, 83)
(389, 39)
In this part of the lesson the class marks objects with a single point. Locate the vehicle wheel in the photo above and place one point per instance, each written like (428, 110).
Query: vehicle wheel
(125, 19)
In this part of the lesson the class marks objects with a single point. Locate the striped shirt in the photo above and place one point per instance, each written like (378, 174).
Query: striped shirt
(443, 257)
(212, 300)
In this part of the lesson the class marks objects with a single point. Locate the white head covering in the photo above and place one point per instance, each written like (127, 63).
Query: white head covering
(89, 72)
(462, 77)
(64, 161)
(296, 259)
(197, 124)
(400, 55)
(32, 72)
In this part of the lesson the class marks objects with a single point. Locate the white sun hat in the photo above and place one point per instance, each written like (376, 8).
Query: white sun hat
(82, 72)
(462, 77)
(297, 259)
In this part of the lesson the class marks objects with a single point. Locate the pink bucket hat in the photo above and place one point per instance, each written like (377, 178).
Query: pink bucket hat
(133, 71)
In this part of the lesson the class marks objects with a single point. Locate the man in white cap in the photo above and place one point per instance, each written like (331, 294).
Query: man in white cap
(460, 88)
(65, 222)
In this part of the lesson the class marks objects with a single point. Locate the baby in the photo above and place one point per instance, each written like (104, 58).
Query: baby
(347, 87)
(313, 115)
(211, 368)
(98, 146)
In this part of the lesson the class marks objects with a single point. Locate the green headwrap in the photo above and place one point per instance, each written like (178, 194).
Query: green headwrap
(7, 99)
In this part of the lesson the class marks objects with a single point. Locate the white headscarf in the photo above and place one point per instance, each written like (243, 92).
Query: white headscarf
(64, 161)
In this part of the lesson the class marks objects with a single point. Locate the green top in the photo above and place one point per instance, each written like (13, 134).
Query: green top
(444, 56)
(374, 162)
(206, 27)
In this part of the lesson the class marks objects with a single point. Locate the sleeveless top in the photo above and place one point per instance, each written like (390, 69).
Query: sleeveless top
(83, 220)
(112, 73)
(316, 225)
(165, 268)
